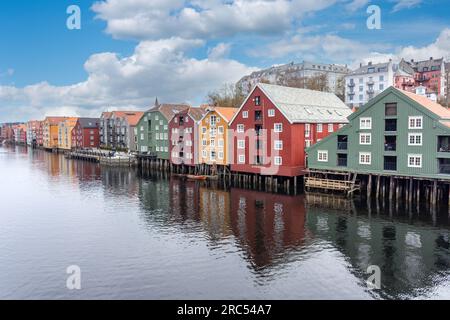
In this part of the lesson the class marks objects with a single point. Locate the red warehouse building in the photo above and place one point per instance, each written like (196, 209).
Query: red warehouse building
(86, 133)
(275, 125)
(183, 136)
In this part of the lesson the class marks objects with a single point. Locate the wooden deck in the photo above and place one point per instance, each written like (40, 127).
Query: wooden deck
(347, 186)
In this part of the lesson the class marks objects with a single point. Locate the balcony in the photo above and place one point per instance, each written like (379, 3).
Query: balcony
(390, 143)
(258, 116)
(390, 125)
(342, 143)
(370, 91)
(258, 130)
(370, 83)
(443, 144)
(351, 84)
(342, 160)
(390, 163)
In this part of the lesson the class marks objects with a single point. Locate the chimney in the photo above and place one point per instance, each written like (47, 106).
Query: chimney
(370, 63)
(412, 60)
(360, 65)
(431, 58)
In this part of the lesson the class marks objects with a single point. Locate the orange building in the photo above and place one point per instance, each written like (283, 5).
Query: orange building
(65, 133)
(51, 132)
(214, 136)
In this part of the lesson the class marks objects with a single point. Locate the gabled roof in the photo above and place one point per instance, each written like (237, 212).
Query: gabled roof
(87, 123)
(132, 117)
(226, 113)
(55, 120)
(304, 105)
(169, 110)
(432, 106)
(197, 113)
(420, 65)
(379, 67)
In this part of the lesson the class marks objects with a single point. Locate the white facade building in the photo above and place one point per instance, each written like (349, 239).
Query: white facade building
(367, 81)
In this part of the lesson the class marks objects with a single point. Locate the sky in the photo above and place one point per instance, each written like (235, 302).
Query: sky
(128, 52)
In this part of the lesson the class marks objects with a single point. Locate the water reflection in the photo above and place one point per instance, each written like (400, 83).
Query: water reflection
(269, 246)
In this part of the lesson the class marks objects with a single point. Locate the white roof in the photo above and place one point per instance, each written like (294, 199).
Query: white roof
(304, 105)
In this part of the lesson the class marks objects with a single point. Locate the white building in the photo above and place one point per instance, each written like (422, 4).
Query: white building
(422, 91)
(368, 81)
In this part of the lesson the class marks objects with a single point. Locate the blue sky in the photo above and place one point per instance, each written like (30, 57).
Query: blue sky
(129, 52)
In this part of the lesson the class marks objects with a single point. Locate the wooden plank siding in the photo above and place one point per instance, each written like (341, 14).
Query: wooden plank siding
(375, 109)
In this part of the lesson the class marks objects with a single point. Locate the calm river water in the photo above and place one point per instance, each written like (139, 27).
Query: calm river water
(139, 237)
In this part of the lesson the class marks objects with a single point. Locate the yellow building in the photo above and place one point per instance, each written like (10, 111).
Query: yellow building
(65, 133)
(50, 131)
(214, 136)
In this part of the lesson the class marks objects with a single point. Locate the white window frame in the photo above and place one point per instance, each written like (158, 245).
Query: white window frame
(220, 155)
(271, 113)
(278, 161)
(278, 145)
(220, 130)
(241, 144)
(322, 155)
(319, 128)
(220, 143)
(204, 154)
(415, 156)
(240, 128)
(365, 154)
(365, 143)
(330, 127)
(365, 123)
(241, 158)
(307, 130)
(280, 129)
(245, 114)
(415, 135)
(415, 118)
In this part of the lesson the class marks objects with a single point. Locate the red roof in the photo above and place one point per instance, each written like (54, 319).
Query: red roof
(434, 107)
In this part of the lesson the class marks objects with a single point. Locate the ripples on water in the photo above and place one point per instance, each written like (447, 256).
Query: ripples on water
(147, 237)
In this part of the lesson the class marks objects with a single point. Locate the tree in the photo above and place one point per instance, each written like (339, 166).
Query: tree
(228, 95)
(340, 88)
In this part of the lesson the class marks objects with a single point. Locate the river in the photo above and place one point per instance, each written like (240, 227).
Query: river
(135, 236)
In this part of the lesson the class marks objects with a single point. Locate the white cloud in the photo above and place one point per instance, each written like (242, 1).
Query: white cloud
(405, 4)
(156, 68)
(143, 19)
(337, 49)
(355, 5)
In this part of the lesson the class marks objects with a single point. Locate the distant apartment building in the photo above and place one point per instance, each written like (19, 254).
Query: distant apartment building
(367, 81)
(85, 134)
(430, 74)
(292, 73)
(118, 129)
(32, 132)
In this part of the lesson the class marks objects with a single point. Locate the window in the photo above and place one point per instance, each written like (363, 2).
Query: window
(361, 97)
(156, 117)
(307, 130)
(365, 123)
(240, 128)
(308, 143)
(241, 144)
(322, 156)
(414, 139)
(241, 158)
(330, 127)
(365, 138)
(415, 122)
(213, 132)
(204, 130)
(319, 127)
(220, 155)
(381, 86)
(278, 161)
(166, 149)
(245, 114)
(221, 130)
(220, 143)
(257, 101)
(414, 160)
(271, 113)
(213, 120)
(161, 123)
(381, 78)
(166, 127)
(142, 136)
(365, 158)
(278, 145)
(278, 127)
(212, 143)
(157, 148)
(204, 154)
(390, 109)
